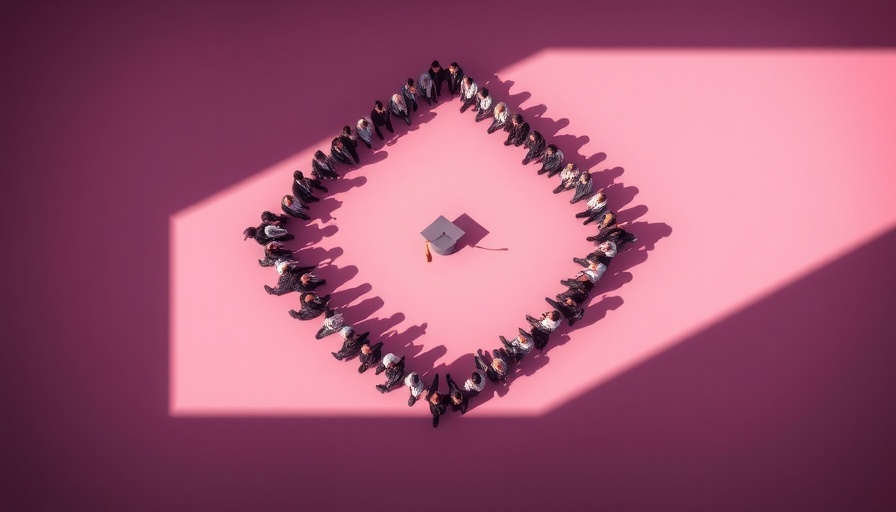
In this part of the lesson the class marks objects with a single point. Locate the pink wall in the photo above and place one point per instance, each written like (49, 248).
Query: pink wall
(122, 114)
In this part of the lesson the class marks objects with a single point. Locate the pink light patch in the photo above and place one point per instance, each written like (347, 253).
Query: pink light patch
(723, 146)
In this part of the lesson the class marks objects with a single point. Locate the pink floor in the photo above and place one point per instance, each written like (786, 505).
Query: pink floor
(729, 204)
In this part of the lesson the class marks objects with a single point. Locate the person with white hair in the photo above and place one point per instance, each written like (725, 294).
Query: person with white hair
(312, 306)
(351, 343)
(501, 116)
(399, 108)
(427, 88)
(333, 322)
(393, 366)
(266, 233)
(415, 387)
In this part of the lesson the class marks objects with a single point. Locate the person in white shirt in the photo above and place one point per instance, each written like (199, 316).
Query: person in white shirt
(364, 127)
(569, 177)
(501, 116)
(394, 368)
(552, 161)
(468, 92)
(400, 108)
(415, 387)
(595, 207)
(332, 323)
(520, 346)
(427, 88)
(483, 105)
(543, 327)
(475, 384)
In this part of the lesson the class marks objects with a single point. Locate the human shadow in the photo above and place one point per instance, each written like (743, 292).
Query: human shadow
(350, 295)
(318, 255)
(362, 311)
(378, 326)
(336, 276)
(619, 195)
(311, 233)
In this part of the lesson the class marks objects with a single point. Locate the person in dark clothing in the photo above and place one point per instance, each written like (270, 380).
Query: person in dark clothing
(339, 152)
(426, 88)
(456, 396)
(303, 187)
(294, 207)
(501, 119)
(438, 76)
(618, 235)
(543, 327)
(323, 167)
(568, 308)
(535, 143)
(438, 403)
(595, 207)
(333, 322)
(483, 105)
(583, 188)
(394, 368)
(370, 356)
(274, 252)
(577, 293)
(312, 306)
(400, 108)
(381, 117)
(274, 219)
(350, 142)
(266, 233)
(552, 161)
(455, 78)
(607, 222)
(469, 93)
(351, 343)
(496, 370)
(409, 91)
(519, 346)
(290, 280)
(518, 131)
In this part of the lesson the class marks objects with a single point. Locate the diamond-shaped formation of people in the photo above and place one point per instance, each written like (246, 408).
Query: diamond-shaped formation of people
(493, 366)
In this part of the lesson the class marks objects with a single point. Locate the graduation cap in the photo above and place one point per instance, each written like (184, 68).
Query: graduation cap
(442, 235)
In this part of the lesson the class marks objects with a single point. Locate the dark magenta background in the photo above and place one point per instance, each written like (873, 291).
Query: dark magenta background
(115, 115)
